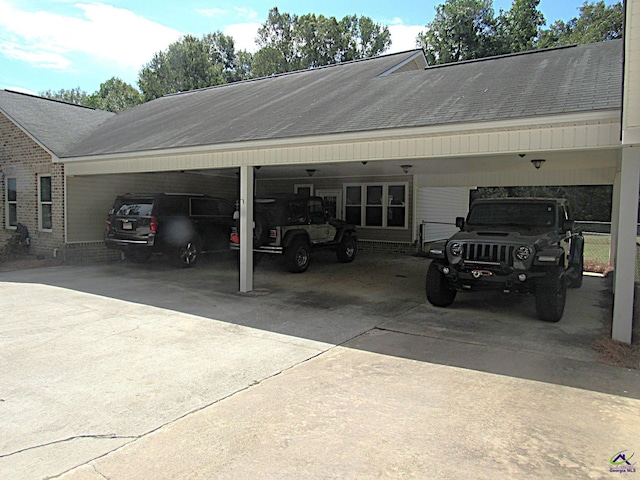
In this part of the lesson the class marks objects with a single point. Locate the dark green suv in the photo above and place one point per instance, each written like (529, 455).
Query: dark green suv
(181, 226)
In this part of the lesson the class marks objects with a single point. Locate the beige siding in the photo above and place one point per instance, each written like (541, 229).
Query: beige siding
(90, 197)
(561, 135)
(631, 111)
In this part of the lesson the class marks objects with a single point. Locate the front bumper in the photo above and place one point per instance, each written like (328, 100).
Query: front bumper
(478, 277)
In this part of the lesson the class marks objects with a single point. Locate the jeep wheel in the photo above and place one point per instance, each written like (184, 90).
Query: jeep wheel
(187, 254)
(297, 256)
(578, 269)
(551, 296)
(347, 249)
(439, 293)
(137, 255)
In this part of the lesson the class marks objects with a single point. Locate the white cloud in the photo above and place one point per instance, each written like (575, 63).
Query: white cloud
(104, 32)
(244, 35)
(403, 37)
(212, 12)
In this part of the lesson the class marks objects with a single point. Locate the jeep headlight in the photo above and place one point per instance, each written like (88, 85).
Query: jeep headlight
(523, 252)
(456, 249)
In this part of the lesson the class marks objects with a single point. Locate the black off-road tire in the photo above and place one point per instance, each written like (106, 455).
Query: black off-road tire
(576, 282)
(187, 254)
(551, 296)
(137, 255)
(439, 294)
(297, 256)
(347, 249)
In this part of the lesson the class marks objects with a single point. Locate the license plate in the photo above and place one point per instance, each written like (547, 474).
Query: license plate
(127, 226)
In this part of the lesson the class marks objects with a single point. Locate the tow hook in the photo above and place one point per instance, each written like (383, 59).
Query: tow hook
(481, 273)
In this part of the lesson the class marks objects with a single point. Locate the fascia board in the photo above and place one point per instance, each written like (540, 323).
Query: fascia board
(390, 134)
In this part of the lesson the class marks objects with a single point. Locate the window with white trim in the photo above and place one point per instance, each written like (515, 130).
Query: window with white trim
(373, 205)
(45, 203)
(11, 202)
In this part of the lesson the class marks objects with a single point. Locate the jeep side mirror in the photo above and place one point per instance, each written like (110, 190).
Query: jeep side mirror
(460, 222)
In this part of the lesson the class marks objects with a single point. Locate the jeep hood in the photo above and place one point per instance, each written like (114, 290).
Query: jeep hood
(540, 237)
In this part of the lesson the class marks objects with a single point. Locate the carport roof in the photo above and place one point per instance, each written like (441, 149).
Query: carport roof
(55, 125)
(364, 96)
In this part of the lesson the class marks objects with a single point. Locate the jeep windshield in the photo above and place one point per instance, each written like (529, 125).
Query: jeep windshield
(516, 214)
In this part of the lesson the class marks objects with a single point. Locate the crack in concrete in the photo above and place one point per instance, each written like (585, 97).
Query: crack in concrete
(108, 436)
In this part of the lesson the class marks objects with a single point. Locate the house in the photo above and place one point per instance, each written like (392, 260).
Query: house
(34, 133)
(387, 140)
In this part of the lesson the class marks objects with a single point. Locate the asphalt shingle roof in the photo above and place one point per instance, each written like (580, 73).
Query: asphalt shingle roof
(356, 97)
(56, 125)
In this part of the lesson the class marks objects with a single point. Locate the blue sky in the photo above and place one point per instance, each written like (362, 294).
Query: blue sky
(58, 44)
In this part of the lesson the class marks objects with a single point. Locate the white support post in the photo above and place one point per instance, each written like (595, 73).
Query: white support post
(626, 245)
(246, 228)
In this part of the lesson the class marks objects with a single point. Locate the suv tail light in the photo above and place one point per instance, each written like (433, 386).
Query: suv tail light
(107, 225)
(273, 234)
(234, 238)
(153, 225)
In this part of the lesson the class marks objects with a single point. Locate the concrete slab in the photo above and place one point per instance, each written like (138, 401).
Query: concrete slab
(105, 358)
(351, 413)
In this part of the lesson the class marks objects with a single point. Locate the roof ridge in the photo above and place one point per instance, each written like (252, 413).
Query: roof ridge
(516, 54)
(294, 72)
(39, 97)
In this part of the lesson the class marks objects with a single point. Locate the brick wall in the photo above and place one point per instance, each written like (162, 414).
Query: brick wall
(23, 159)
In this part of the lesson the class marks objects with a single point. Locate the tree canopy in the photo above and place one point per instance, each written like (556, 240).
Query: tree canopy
(469, 29)
(296, 42)
(192, 63)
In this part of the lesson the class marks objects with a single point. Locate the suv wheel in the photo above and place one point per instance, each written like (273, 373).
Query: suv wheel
(551, 295)
(438, 291)
(347, 249)
(187, 254)
(297, 256)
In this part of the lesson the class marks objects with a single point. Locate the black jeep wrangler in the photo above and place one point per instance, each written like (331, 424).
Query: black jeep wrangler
(296, 225)
(524, 245)
(179, 225)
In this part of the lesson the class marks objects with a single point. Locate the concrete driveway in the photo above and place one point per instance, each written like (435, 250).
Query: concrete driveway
(128, 371)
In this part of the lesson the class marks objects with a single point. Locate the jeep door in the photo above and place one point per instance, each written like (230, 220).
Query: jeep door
(319, 229)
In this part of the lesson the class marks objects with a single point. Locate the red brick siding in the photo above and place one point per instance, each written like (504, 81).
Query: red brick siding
(22, 158)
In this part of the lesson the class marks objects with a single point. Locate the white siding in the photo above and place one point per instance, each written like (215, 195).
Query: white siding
(437, 209)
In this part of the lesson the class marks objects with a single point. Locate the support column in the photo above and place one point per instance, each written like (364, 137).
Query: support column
(626, 245)
(246, 228)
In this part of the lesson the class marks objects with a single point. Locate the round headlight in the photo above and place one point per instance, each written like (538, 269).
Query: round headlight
(456, 249)
(523, 252)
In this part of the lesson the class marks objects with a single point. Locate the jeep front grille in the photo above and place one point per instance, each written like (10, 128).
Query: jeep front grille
(488, 253)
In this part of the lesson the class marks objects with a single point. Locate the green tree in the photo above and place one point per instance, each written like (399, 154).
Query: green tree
(114, 95)
(192, 63)
(517, 28)
(291, 42)
(76, 95)
(597, 22)
(461, 30)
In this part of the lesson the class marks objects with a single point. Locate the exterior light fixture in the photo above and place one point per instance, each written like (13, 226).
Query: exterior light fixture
(406, 168)
(537, 162)
(311, 171)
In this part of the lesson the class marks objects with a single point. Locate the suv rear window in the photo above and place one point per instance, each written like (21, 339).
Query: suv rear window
(138, 208)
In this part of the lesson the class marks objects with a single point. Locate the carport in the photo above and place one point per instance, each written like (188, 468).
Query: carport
(463, 125)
